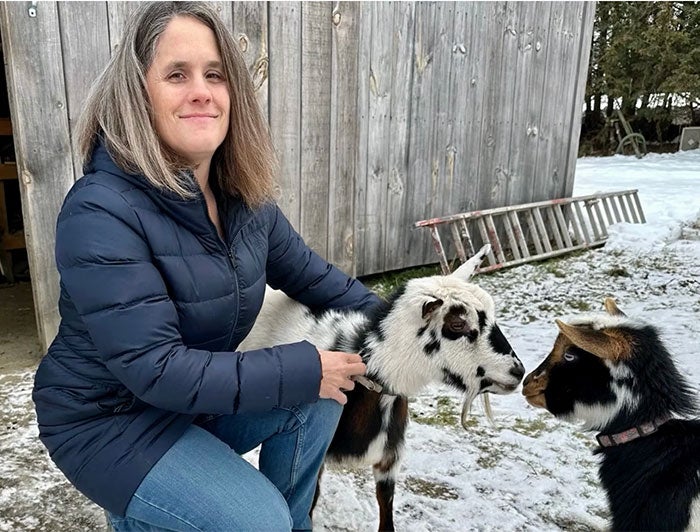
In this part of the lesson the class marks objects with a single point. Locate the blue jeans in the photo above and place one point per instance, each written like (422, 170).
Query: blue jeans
(202, 482)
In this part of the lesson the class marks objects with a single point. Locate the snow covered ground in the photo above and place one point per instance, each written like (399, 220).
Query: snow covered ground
(527, 471)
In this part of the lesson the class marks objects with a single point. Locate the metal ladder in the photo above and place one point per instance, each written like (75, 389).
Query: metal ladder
(533, 231)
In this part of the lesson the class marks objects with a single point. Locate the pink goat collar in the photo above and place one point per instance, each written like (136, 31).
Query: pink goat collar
(611, 440)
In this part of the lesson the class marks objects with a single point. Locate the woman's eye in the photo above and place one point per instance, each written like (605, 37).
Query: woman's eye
(215, 76)
(176, 76)
(569, 357)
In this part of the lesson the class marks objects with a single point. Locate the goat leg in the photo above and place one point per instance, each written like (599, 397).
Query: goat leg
(385, 483)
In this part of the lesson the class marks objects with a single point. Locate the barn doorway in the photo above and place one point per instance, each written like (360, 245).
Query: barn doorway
(19, 341)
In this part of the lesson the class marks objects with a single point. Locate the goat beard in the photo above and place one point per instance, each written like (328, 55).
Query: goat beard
(467, 406)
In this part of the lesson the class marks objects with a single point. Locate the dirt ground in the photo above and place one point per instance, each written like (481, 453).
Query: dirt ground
(19, 343)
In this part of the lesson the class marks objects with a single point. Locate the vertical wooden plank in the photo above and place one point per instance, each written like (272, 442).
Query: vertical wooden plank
(550, 173)
(503, 118)
(249, 24)
(223, 9)
(379, 134)
(493, 176)
(343, 135)
(529, 100)
(583, 36)
(434, 61)
(118, 14)
(41, 131)
(474, 88)
(459, 197)
(443, 97)
(315, 123)
(422, 167)
(86, 51)
(361, 171)
(285, 102)
(399, 215)
(571, 90)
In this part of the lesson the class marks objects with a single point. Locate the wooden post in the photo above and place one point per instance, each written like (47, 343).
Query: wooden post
(38, 105)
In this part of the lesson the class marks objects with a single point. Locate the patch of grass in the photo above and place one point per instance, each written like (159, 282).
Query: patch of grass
(445, 414)
(490, 455)
(385, 283)
(618, 271)
(534, 427)
(553, 269)
(580, 304)
(568, 524)
(432, 489)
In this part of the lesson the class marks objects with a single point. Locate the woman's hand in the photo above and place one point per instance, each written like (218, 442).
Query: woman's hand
(337, 370)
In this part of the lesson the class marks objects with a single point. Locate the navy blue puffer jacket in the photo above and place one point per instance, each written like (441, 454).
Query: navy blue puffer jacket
(153, 305)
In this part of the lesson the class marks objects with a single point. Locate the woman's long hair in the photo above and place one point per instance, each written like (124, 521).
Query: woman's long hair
(118, 111)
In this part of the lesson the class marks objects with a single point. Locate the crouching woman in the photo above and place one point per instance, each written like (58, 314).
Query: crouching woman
(164, 248)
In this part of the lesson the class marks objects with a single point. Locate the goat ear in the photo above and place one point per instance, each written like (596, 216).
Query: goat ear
(606, 343)
(430, 306)
(466, 270)
(612, 308)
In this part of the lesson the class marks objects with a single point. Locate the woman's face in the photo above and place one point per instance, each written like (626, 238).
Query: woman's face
(188, 91)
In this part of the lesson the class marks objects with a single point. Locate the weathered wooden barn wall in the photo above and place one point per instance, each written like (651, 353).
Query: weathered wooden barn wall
(382, 113)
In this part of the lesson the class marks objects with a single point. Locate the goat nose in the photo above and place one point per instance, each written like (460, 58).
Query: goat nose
(518, 371)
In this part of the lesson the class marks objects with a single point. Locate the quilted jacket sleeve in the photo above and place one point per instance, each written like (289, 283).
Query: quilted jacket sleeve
(303, 275)
(107, 273)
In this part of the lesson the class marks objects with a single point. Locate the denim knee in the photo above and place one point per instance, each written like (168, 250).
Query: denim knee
(322, 417)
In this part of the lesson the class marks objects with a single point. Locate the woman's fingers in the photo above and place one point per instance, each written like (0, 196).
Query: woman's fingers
(337, 370)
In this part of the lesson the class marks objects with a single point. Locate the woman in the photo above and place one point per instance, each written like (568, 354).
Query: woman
(164, 248)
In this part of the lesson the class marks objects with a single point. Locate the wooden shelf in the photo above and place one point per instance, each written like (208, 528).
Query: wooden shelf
(5, 126)
(13, 241)
(8, 171)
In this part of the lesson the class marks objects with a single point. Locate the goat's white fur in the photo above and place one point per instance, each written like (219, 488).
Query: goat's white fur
(597, 416)
(694, 524)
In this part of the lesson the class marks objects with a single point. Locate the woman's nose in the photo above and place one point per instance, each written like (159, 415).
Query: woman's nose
(200, 90)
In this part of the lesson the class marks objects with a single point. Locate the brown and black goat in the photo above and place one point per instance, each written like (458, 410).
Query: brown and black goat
(615, 374)
(438, 329)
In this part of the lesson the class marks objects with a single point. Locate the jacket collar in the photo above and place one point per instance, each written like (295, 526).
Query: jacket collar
(189, 213)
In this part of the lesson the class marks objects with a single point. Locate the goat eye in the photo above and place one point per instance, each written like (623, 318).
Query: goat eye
(569, 357)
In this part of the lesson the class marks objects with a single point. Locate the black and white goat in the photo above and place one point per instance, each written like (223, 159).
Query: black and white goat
(615, 374)
(439, 329)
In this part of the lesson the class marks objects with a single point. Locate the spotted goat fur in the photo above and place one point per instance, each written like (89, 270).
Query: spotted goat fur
(615, 374)
(439, 329)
